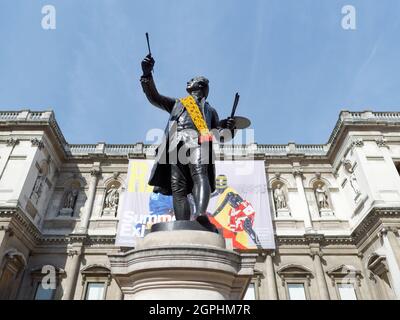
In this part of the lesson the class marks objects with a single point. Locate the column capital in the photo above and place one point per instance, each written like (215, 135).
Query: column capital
(73, 252)
(384, 231)
(357, 142)
(74, 249)
(381, 142)
(95, 171)
(316, 251)
(277, 175)
(297, 172)
(38, 143)
(6, 230)
(11, 142)
(267, 253)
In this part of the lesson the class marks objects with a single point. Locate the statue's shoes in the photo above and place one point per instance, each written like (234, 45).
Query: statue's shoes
(205, 222)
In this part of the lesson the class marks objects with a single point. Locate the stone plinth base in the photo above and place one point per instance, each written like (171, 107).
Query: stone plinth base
(283, 213)
(326, 212)
(182, 265)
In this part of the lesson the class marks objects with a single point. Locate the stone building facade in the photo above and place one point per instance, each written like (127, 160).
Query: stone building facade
(335, 211)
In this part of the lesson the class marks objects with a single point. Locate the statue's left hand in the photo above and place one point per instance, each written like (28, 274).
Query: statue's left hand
(229, 123)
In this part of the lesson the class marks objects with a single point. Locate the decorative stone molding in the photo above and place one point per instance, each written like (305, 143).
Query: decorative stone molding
(294, 271)
(116, 175)
(7, 230)
(348, 165)
(316, 252)
(96, 272)
(371, 220)
(38, 143)
(73, 252)
(307, 239)
(344, 273)
(385, 229)
(298, 172)
(11, 142)
(377, 264)
(141, 150)
(357, 142)
(381, 142)
(30, 230)
(95, 172)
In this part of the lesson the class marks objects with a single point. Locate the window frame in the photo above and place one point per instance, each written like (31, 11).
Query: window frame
(295, 274)
(338, 291)
(256, 281)
(38, 284)
(344, 275)
(95, 273)
(36, 279)
(87, 283)
(297, 281)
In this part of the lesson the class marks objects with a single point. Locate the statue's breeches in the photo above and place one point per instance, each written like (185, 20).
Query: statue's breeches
(190, 178)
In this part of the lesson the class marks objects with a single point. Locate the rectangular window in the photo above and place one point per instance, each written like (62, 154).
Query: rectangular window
(44, 294)
(250, 293)
(95, 291)
(296, 291)
(346, 291)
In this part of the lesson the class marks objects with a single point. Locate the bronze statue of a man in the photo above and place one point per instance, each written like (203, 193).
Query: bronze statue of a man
(193, 114)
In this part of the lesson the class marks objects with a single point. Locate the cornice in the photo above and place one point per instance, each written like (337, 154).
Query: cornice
(308, 239)
(371, 220)
(365, 228)
(23, 220)
(322, 152)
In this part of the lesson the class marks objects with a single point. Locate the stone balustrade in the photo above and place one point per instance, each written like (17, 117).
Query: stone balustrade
(267, 150)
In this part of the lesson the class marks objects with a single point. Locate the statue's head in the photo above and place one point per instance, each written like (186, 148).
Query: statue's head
(198, 86)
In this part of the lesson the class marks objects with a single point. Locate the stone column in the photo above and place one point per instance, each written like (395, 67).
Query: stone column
(120, 296)
(320, 276)
(369, 291)
(95, 172)
(298, 175)
(270, 281)
(394, 243)
(72, 268)
(392, 257)
(5, 232)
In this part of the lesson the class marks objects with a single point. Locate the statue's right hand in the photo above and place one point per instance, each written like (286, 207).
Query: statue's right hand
(147, 65)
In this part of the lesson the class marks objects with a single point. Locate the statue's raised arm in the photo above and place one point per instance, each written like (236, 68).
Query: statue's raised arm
(149, 87)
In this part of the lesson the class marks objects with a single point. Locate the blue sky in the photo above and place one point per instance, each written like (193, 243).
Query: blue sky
(293, 64)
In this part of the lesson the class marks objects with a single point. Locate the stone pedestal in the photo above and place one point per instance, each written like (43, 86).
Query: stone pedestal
(326, 212)
(66, 212)
(182, 265)
(283, 213)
